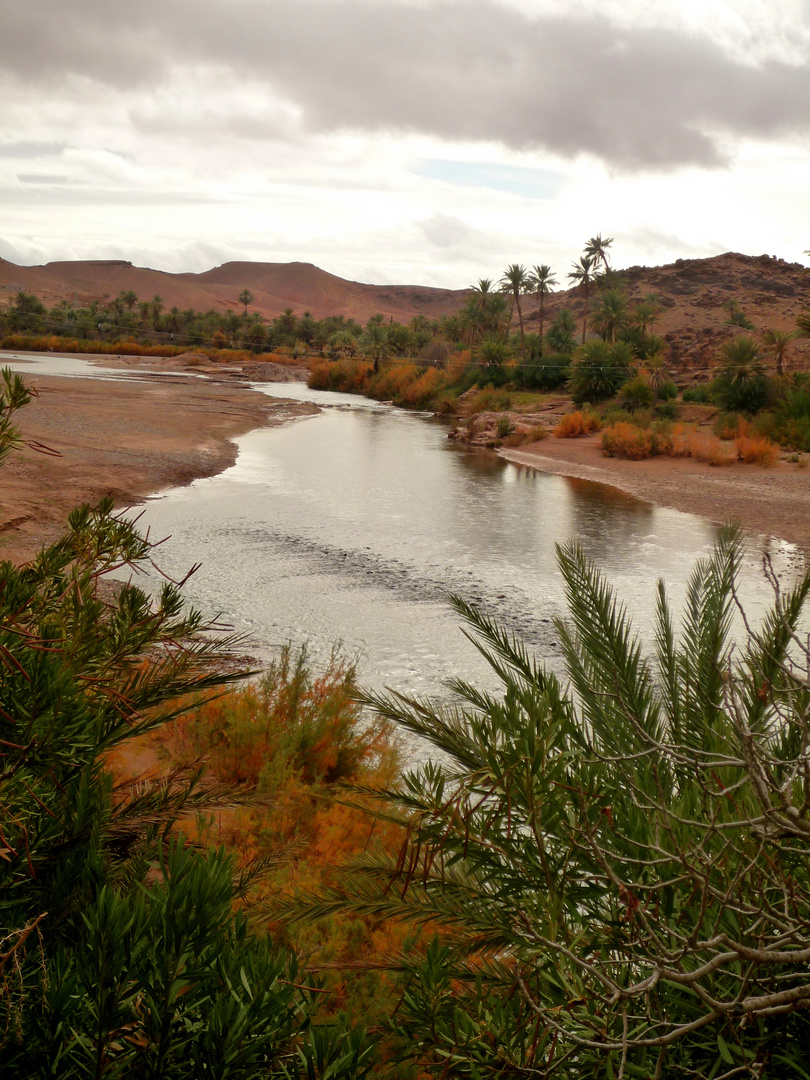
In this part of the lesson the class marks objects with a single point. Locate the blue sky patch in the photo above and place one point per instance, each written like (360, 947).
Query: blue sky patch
(516, 179)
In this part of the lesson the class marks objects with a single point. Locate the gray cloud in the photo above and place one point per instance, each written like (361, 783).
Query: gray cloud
(636, 98)
(30, 149)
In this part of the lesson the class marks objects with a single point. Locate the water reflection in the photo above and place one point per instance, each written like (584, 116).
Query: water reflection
(357, 524)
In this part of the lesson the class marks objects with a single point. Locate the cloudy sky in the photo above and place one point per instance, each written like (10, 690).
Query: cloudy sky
(423, 141)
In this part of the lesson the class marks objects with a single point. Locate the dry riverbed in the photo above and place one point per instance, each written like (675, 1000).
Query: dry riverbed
(125, 439)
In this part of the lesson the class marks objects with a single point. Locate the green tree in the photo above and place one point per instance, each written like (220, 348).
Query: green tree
(122, 952)
(741, 384)
(583, 274)
(245, 297)
(596, 250)
(542, 281)
(560, 336)
(777, 343)
(609, 313)
(599, 370)
(373, 342)
(25, 312)
(646, 313)
(492, 351)
(619, 863)
(515, 282)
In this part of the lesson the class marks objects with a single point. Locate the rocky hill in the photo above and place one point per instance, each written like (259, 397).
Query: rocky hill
(693, 294)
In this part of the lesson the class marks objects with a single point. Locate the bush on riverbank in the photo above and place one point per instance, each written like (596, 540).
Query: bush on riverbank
(576, 424)
(295, 737)
(126, 949)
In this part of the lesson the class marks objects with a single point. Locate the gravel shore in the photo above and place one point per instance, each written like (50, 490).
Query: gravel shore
(125, 439)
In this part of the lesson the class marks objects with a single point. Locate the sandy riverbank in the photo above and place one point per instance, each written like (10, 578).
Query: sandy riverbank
(127, 439)
(774, 502)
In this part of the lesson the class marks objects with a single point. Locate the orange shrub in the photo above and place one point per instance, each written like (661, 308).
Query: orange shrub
(391, 381)
(575, 424)
(708, 448)
(458, 363)
(624, 440)
(296, 735)
(756, 450)
(421, 392)
(319, 375)
(731, 426)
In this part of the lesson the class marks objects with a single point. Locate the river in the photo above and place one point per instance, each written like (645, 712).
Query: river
(357, 524)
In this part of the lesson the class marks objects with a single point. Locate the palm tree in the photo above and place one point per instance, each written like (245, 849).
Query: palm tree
(245, 297)
(484, 291)
(777, 342)
(374, 342)
(609, 314)
(583, 274)
(542, 278)
(492, 352)
(596, 249)
(741, 360)
(646, 312)
(628, 842)
(516, 280)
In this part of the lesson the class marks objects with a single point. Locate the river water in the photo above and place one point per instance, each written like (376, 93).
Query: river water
(357, 524)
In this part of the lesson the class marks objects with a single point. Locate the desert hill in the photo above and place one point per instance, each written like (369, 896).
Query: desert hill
(693, 294)
(275, 286)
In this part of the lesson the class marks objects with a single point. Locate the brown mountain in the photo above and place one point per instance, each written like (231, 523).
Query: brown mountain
(693, 294)
(275, 286)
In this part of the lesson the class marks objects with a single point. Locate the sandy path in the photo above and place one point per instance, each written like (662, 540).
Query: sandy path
(775, 502)
(126, 439)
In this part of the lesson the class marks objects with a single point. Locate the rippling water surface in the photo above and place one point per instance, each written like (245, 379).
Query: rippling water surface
(357, 524)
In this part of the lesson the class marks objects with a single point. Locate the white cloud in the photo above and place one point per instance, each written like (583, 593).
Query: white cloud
(419, 140)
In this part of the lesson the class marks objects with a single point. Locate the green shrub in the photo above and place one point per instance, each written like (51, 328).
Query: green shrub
(667, 390)
(700, 394)
(636, 394)
(599, 370)
(543, 372)
(667, 410)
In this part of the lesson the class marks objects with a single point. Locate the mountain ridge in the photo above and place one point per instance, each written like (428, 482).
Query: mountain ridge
(693, 294)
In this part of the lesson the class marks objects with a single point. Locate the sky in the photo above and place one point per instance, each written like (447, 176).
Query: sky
(403, 141)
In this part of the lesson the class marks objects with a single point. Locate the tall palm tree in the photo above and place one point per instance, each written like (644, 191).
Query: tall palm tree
(583, 274)
(596, 248)
(245, 297)
(542, 279)
(777, 342)
(374, 342)
(516, 280)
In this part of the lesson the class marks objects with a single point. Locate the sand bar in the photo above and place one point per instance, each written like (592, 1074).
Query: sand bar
(774, 501)
(127, 439)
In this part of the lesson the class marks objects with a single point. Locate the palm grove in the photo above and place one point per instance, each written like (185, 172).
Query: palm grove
(608, 350)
